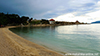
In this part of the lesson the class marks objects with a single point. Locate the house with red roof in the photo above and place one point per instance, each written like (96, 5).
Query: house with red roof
(52, 21)
(77, 22)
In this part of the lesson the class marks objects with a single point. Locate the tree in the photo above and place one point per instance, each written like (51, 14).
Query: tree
(3, 19)
(12, 19)
(24, 19)
(43, 21)
(30, 20)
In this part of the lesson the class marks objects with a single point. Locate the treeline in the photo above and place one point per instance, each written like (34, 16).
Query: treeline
(12, 19)
(42, 21)
(15, 19)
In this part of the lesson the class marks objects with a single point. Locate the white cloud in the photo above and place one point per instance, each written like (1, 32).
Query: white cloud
(51, 8)
(79, 3)
(88, 17)
(95, 14)
(60, 8)
(98, 5)
(66, 17)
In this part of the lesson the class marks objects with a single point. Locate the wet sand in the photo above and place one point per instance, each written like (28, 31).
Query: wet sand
(14, 45)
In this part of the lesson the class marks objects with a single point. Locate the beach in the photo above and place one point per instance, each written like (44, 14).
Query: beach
(13, 45)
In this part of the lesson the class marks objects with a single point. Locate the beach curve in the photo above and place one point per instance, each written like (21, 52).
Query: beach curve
(13, 45)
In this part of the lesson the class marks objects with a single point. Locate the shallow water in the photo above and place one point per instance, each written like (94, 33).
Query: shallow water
(64, 39)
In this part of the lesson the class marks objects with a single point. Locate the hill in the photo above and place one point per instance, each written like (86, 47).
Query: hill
(96, 22)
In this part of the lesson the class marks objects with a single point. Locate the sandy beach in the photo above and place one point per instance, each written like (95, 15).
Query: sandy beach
(14, 45)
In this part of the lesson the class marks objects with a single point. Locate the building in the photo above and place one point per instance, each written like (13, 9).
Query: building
(52, 21)
(77, 22)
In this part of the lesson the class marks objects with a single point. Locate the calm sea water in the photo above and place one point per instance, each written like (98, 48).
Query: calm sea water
(64, 39)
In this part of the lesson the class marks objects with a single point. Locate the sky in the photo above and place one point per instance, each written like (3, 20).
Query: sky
(60, 10)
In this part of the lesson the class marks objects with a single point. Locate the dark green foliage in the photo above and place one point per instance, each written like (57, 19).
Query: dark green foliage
(30, 20)
(43, 21)
(12, 19)
(3, 19)
(24, 19)
(35, 22)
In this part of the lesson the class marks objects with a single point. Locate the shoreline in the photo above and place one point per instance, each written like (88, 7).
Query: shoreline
(13, 45)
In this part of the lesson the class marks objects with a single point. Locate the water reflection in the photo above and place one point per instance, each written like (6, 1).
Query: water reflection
(52, 28)
(66, 29)
(69, 38)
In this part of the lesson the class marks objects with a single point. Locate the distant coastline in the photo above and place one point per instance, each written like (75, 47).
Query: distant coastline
(95, 22)
(15, 20)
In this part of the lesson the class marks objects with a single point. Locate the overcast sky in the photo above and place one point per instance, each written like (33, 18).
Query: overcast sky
(60, 10)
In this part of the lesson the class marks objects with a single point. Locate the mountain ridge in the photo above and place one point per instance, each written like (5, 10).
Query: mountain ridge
(96, 22)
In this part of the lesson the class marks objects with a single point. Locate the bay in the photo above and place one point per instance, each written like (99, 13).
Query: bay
(64, 39)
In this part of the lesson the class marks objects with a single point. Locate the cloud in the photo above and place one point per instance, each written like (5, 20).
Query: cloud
(49, 8)
(88, 17)
(85, 12)
(94, 15)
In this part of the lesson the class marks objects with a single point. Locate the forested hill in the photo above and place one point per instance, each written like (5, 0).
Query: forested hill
(12, 19)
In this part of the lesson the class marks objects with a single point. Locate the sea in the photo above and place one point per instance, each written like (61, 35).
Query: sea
(77, 40)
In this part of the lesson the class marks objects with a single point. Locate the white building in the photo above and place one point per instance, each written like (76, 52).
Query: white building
(52, 21)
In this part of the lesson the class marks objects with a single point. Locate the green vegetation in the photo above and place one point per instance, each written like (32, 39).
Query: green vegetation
(36, 22)
(15, 19)
(12, 19)
(42, 21)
